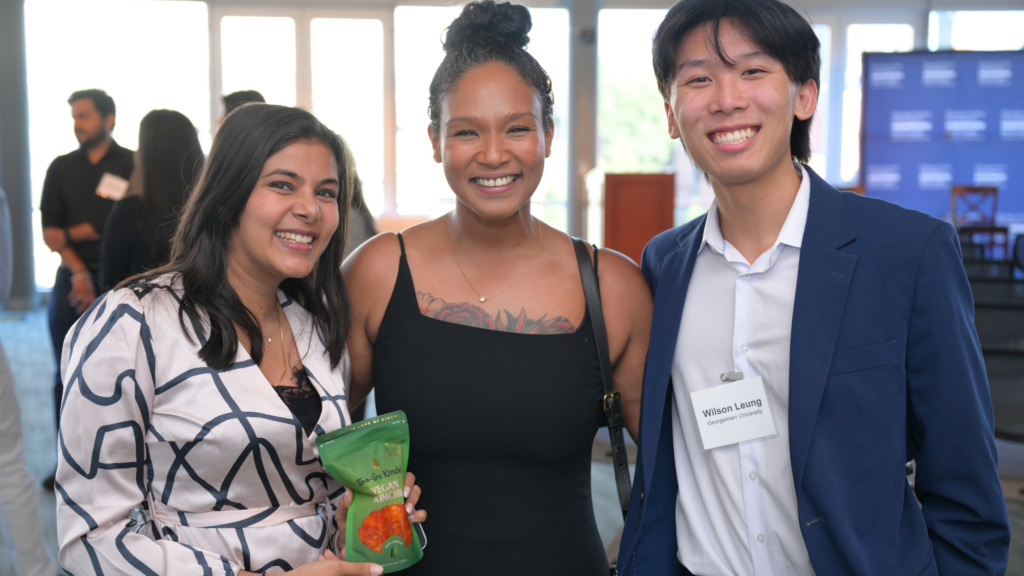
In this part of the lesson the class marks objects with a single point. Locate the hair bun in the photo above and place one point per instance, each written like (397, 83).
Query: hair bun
(486, 23)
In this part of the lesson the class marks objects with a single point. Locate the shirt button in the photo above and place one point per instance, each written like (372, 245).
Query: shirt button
(744, 349)
(753, 475)
(760, 538)
(746, 276)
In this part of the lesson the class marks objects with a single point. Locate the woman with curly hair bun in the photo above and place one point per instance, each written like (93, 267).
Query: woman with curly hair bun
(475, 324)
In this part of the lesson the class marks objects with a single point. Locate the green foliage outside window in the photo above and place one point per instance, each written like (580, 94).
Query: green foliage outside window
(632, 124)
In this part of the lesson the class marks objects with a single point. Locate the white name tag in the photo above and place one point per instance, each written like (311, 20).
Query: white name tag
(734, 412)
(112, 187)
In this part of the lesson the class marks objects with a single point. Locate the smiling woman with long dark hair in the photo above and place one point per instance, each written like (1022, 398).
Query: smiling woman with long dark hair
(195, 392)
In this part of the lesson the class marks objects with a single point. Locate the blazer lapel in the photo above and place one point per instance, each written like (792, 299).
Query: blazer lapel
(668, 312)
(823, 281)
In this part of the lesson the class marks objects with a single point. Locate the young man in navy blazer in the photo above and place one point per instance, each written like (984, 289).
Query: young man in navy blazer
(806, 344)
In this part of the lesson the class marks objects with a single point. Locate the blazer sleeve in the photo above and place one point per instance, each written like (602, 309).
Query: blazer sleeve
(950, 418)
(648, 544)
(107, 366)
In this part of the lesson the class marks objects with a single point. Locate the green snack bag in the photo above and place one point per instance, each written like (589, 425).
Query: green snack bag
(369, 458)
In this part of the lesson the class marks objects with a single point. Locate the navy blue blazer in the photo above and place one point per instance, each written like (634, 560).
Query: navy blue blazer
(885, 367)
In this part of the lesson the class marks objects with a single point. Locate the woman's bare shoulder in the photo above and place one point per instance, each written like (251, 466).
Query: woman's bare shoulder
(621, 278)
(372, 263)
(616, 271)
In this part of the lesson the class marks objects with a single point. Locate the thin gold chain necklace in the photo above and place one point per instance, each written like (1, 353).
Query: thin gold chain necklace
(444, 222)
(284, 356)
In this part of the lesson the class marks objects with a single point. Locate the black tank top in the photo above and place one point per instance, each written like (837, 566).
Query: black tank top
(501, 428)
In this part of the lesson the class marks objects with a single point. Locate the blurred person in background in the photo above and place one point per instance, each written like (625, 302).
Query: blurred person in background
(236, 99)
(76, 200)
(19, 512)
(361, 226)
(138, 233)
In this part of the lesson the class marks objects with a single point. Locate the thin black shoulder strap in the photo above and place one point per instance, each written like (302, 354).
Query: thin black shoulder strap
(612, 406)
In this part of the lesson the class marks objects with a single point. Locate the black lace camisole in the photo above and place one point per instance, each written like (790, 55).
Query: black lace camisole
(302, 399)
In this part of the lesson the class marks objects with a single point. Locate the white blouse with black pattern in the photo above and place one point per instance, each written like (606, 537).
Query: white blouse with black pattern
(167, 466)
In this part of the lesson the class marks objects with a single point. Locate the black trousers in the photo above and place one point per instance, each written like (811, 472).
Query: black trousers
(62, 316)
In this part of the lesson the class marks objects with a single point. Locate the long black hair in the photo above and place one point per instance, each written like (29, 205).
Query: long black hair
(170, 160)
(485, 32)
(199, 253)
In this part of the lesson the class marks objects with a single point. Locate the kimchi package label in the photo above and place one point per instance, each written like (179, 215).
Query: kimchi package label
(369, 458)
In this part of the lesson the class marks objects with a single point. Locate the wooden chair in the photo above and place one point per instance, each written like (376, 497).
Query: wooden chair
(973, 205)
(972, 209)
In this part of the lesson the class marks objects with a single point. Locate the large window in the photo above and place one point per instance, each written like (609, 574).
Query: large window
(976, 30)
(632, 131)
(421, 187)
(326, 60)
(250, 62)
(348, 93)
(366, 72)
(631, 124)
(146, 54)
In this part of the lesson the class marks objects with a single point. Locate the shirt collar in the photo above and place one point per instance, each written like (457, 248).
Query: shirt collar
(114, 148)
(792, 232)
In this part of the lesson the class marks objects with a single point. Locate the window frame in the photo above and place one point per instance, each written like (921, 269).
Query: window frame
(303, 18)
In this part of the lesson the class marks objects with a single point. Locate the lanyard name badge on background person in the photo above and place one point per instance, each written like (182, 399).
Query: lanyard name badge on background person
(732, 412)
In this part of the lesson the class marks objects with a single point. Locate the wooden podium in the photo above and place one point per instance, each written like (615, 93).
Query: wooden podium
(637, 207)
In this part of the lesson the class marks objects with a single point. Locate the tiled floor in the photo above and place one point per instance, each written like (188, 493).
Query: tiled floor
(26, 341)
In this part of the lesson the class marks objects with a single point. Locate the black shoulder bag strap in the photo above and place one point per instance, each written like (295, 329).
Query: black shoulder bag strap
(612, 407)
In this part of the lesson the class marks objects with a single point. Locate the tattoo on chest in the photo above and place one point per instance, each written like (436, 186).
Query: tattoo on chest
(475, 316)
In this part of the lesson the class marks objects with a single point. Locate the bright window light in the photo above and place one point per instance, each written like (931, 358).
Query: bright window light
(819, 126)
(861, 38)
(147, 54)
(258, 53)
(976, 30)
(421, 187)
(348, 93)
(632, 133)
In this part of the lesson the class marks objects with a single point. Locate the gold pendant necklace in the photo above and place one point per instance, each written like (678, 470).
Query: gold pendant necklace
(444, 222)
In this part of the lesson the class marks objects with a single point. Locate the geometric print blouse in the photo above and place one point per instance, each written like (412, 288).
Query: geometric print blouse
(169, 467)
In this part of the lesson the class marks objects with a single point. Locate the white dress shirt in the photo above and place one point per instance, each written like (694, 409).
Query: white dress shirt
(736, 514)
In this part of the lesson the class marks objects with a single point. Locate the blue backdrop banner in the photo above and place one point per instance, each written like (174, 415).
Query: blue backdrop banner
(932, 120)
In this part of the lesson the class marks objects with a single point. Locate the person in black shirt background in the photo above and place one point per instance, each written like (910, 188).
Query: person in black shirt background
(138, 233)
(74, 214)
